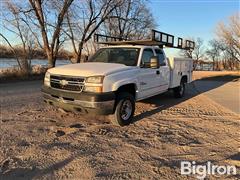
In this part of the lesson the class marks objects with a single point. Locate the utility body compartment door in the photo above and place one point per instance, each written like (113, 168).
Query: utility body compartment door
(180, 67)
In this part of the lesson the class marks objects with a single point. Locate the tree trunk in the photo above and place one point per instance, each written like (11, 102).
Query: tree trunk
(213, 64)
(78, 60)
(51, 62)
(51, 59)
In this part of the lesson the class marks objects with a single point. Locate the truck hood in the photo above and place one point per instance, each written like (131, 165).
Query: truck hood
(89, 69)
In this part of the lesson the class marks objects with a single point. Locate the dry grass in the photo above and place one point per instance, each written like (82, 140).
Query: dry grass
(210, 74)
(15, 74)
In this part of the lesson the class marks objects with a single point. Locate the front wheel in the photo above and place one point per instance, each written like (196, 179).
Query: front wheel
(180, 90)
(124, 111)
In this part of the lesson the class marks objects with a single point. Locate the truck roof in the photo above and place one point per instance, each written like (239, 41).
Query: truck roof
(130, 46)
(136, 42)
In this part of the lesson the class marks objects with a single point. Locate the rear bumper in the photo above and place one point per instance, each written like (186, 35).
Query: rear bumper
(94, 103)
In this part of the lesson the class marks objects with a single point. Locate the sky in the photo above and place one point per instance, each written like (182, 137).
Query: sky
(192, 18)
(189, 18)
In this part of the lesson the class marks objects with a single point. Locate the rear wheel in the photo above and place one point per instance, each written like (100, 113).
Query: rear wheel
(180, 90)
(124, 111)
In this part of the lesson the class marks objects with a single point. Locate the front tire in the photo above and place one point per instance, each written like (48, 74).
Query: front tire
(180, 90)
(124, 111)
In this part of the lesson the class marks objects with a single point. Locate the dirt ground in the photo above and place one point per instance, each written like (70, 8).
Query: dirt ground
(40, 142)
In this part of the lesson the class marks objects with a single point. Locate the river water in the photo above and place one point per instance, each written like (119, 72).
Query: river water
(8, 63)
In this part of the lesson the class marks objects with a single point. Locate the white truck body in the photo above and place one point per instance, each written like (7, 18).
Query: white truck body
(147, 82)
(139, 80)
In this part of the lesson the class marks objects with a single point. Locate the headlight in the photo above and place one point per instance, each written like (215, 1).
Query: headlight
(95, 79)
(96, 89)
(47, 79)
(94, 84)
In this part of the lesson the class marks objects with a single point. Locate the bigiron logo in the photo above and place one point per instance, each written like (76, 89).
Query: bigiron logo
(201, 171)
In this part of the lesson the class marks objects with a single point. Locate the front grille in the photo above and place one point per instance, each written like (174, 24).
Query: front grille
(67, 83)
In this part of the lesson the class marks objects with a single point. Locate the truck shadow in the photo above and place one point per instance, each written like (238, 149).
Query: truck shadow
(167, 100)
(35, 172)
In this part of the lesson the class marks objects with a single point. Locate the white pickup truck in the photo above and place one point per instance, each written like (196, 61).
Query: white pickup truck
(115, 78)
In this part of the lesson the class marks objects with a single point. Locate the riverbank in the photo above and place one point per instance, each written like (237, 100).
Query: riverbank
(15, 75)
(10, 72)
(7, 53)
(6, 63)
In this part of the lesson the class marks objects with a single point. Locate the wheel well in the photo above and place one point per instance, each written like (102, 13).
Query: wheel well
(184, 79)
(130, 88)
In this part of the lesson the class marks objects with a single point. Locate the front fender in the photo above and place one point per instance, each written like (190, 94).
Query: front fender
(118, 84)
(114, 81)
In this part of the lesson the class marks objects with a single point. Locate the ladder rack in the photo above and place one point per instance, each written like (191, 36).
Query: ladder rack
(158, 38)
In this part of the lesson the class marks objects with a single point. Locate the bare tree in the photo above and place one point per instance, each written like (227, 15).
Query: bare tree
(197, 54)
(227, 56)
(50, 32)
(12, 49)
(214, 53)
(84, 19)
(15, 22)
(229, 35)
(132, 20)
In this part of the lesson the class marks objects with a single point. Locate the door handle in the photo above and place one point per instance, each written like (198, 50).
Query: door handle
(157, 72)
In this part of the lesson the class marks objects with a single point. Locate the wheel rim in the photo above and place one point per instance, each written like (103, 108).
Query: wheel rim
(126, 110)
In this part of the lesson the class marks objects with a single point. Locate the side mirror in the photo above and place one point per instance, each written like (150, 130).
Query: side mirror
(154, 62)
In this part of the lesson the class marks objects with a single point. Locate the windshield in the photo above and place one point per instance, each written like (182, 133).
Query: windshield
(127, 56)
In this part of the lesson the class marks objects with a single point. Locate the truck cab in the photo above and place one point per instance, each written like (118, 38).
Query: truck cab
(114, 78)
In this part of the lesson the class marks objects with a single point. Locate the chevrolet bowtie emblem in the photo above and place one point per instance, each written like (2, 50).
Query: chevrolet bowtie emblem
(63, 82)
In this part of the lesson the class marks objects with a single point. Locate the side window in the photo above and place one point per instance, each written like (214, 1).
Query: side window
(146, 56)
(160, 56)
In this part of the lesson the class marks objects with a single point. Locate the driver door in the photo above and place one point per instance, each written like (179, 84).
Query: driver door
(164, 70)
(149, 79)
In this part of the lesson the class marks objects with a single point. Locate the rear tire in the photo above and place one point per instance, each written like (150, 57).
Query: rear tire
(124, 111)
(180, 90)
